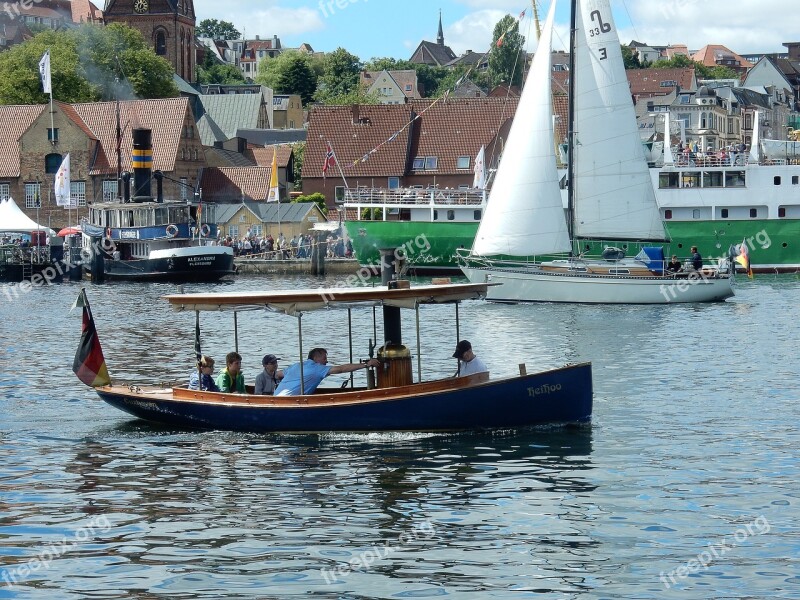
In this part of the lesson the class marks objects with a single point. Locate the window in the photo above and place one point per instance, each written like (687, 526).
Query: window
(712, 179)
(476, 215)
(776, 180)
(77, 192)
(184, 188)
(696, 213)
(431, 163)
(419, 163)
(52, 162)
(667, 180)
(409, 87)
(5, 191)
(451, 215)
(668, 83)
(233, 231)
(338, 194)
(781, 212)
(161, 43)
(256, 230)
(724, 213)
(194, 154)
(703, 120)
(734, 179)
(668, 213)
(463, 162)
(753, 213)
(795, 179)
(33, 196)
(394, 183)
(109, 190)
(52, 134)
(435, 215)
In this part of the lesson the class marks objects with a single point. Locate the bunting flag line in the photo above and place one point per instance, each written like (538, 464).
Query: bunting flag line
(743, 258)
(89, 364)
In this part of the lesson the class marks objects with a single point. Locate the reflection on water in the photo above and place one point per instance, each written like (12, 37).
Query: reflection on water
(694, 436)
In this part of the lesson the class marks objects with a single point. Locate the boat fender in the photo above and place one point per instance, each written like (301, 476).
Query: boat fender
(108, 232)
(172, 230)
(205, 230)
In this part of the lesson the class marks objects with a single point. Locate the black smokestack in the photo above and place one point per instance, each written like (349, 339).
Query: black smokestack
(142, 162)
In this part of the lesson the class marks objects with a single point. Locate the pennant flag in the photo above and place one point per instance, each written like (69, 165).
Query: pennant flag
(330, 160)
(62, 184)
(274, 191)
(479, 181)
(744, 258)
(44, 73)
(89, 364)
(500, 40)
(522, 14)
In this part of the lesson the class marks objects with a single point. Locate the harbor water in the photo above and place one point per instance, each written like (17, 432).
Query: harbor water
(686, 485)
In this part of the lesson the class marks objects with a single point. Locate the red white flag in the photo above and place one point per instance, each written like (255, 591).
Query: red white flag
(330, 160)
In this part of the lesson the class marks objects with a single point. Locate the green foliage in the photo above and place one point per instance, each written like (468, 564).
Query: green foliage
(317, 198)
(223, 74)
(341, 76)
(357, 96)
(630, 59)
(289, 73)
(299, 151)
(217, 30)
(429, 77)
(507, 63)
(87, 64)
(680, 61)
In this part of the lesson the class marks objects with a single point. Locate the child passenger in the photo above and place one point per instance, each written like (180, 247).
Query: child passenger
(206, 380)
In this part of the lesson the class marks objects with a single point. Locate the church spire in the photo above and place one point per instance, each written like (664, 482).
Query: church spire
(440, 36)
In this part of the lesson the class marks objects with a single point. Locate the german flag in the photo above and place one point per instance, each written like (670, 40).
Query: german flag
(744, 259)
(89, 364)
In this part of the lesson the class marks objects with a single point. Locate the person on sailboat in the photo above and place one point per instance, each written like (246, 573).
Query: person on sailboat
(697, 260)
(468, 362)
(674, 265)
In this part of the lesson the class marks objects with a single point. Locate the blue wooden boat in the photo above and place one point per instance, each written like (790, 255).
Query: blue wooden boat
(399, 401)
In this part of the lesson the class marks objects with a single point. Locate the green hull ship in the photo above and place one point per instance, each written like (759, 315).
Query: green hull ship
(714, 208)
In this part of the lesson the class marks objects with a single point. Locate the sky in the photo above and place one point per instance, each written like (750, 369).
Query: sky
(394, 28)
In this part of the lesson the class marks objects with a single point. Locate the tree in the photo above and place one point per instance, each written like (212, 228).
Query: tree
(630, 59)
(702, 71)
(223, 74)
(299, 151)
(341, 75)
(87, 64)
(217, 30)
(507, 61)
(317, 198)
(357, 96)
(289, 73)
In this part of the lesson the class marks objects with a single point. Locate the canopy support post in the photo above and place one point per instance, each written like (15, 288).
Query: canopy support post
(300, 337)
(419, 348)
(236, 331)
(350, 338)
(458, 326)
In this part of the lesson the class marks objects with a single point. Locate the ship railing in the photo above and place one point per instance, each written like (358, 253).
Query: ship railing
(412, 196)
(711, 158)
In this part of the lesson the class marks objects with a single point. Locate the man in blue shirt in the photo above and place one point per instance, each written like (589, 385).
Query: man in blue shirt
(315, 369)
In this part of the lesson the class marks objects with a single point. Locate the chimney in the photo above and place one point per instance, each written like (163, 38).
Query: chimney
(355, 114)
(275, 42)
(142, 163)
(258, 37)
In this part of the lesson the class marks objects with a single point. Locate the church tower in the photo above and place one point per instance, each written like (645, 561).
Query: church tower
(440, 36)
(167, 26)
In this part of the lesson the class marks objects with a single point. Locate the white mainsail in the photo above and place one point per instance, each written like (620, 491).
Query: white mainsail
(525, 213)
(613, 197)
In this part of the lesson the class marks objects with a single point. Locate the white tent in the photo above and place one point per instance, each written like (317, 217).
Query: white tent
(13, 220)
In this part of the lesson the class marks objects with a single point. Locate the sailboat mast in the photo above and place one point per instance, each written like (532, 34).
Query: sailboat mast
(119, 155)
(573, 32)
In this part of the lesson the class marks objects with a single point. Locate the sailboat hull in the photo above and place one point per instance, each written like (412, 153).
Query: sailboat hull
(531, 284)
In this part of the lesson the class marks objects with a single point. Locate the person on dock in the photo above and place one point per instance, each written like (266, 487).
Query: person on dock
(315, 369)
(697, 260)
(205, 381)
(674, 265)
(268, 379)
(468, 362)
(231, 379)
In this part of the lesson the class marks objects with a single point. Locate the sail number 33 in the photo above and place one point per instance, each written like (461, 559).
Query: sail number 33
(602, 26)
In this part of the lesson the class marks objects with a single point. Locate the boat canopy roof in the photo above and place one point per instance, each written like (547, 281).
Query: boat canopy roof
(292, 302)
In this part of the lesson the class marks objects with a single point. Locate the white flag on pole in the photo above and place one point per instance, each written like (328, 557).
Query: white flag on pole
(44, 72)
(480, 170)
(62, 184)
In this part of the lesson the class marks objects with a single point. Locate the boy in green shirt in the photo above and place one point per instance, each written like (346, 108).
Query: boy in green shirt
(231, 380)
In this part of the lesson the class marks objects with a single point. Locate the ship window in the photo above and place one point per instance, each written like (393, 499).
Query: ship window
(668, 213)
(476, 215)
(795, 179)
(690, 180)
(777, 180)
(451, 215)
(753, 213)
(667, 180)
(696, 213)
(734, 179)
(436, 215)
(712, 179)
(463, 162)
(724, 213)
(781, 212)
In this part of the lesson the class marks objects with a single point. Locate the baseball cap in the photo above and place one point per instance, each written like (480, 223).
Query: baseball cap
(461, 348)
(269, 358)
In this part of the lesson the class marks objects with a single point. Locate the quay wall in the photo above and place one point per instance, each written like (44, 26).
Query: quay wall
(260, 266)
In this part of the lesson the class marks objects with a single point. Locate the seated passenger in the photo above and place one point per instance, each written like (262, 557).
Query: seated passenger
(468, 362)
(674, 265)
(315, 369)
(231, 379)
(204, 382)
(268, 379)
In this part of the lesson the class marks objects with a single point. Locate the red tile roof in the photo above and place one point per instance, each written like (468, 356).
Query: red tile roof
(709, 55)
(647, 82)
(164, 117)
(233, 183)
(262, 155)
(14, 121)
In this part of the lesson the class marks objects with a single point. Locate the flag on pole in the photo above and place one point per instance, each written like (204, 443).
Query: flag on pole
(274, 191)
(44, 72)
(330, 160)
(62, 184)
(89, 364)
(744, 258)
(479, 181)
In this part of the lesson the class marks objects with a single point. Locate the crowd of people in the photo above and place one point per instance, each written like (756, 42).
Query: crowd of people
(280, 382)
(281, 248)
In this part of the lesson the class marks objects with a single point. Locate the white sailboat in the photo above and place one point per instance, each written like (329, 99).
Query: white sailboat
(611, 193)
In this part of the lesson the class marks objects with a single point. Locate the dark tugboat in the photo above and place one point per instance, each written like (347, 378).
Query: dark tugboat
(148, 239)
